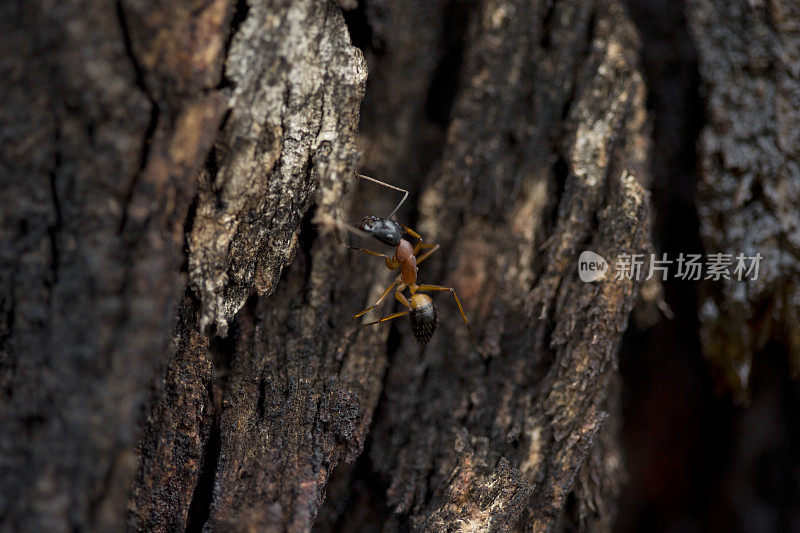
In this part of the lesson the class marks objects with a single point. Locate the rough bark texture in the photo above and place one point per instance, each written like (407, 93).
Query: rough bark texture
(749, 186)
(296, 91)
(533, 163)
(129, 148)
(296, 84)
(175, 351)
(110, 110)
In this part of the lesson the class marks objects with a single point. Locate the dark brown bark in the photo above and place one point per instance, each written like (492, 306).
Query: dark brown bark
(104, 128)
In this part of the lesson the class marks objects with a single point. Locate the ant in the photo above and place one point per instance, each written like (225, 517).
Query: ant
(418, 306)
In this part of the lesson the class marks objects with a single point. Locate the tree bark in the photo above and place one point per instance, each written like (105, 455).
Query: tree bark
(748, 189)
(110, 110)
(175, 350)
(536, 161)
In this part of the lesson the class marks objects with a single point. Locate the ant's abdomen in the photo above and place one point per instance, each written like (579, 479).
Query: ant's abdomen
(423, 317)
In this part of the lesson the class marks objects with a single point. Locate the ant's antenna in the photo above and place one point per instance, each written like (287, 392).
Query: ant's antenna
(379, 182)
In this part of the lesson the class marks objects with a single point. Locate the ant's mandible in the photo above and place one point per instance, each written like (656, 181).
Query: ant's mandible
(418, 306)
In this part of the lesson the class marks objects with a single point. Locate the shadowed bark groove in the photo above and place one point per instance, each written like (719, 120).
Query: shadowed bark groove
(749, 186)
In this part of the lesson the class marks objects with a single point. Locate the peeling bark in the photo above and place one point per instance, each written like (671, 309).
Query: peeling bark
(287, 142)
(294, 106)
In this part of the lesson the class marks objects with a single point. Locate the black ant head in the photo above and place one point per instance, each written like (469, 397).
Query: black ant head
(386, 231)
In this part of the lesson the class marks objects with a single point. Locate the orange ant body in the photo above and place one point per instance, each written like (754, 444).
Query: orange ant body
(418, 306)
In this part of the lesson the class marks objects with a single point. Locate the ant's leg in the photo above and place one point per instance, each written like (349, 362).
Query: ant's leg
(370, 252)
(387, 318)
(411, 232)
(403, 300)
(420, 245)
(439, 288)
(391, 262)
(423, 257)
(376, 304)
(417, 236)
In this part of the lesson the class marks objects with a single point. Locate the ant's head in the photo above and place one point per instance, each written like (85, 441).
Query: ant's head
(386, 231)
